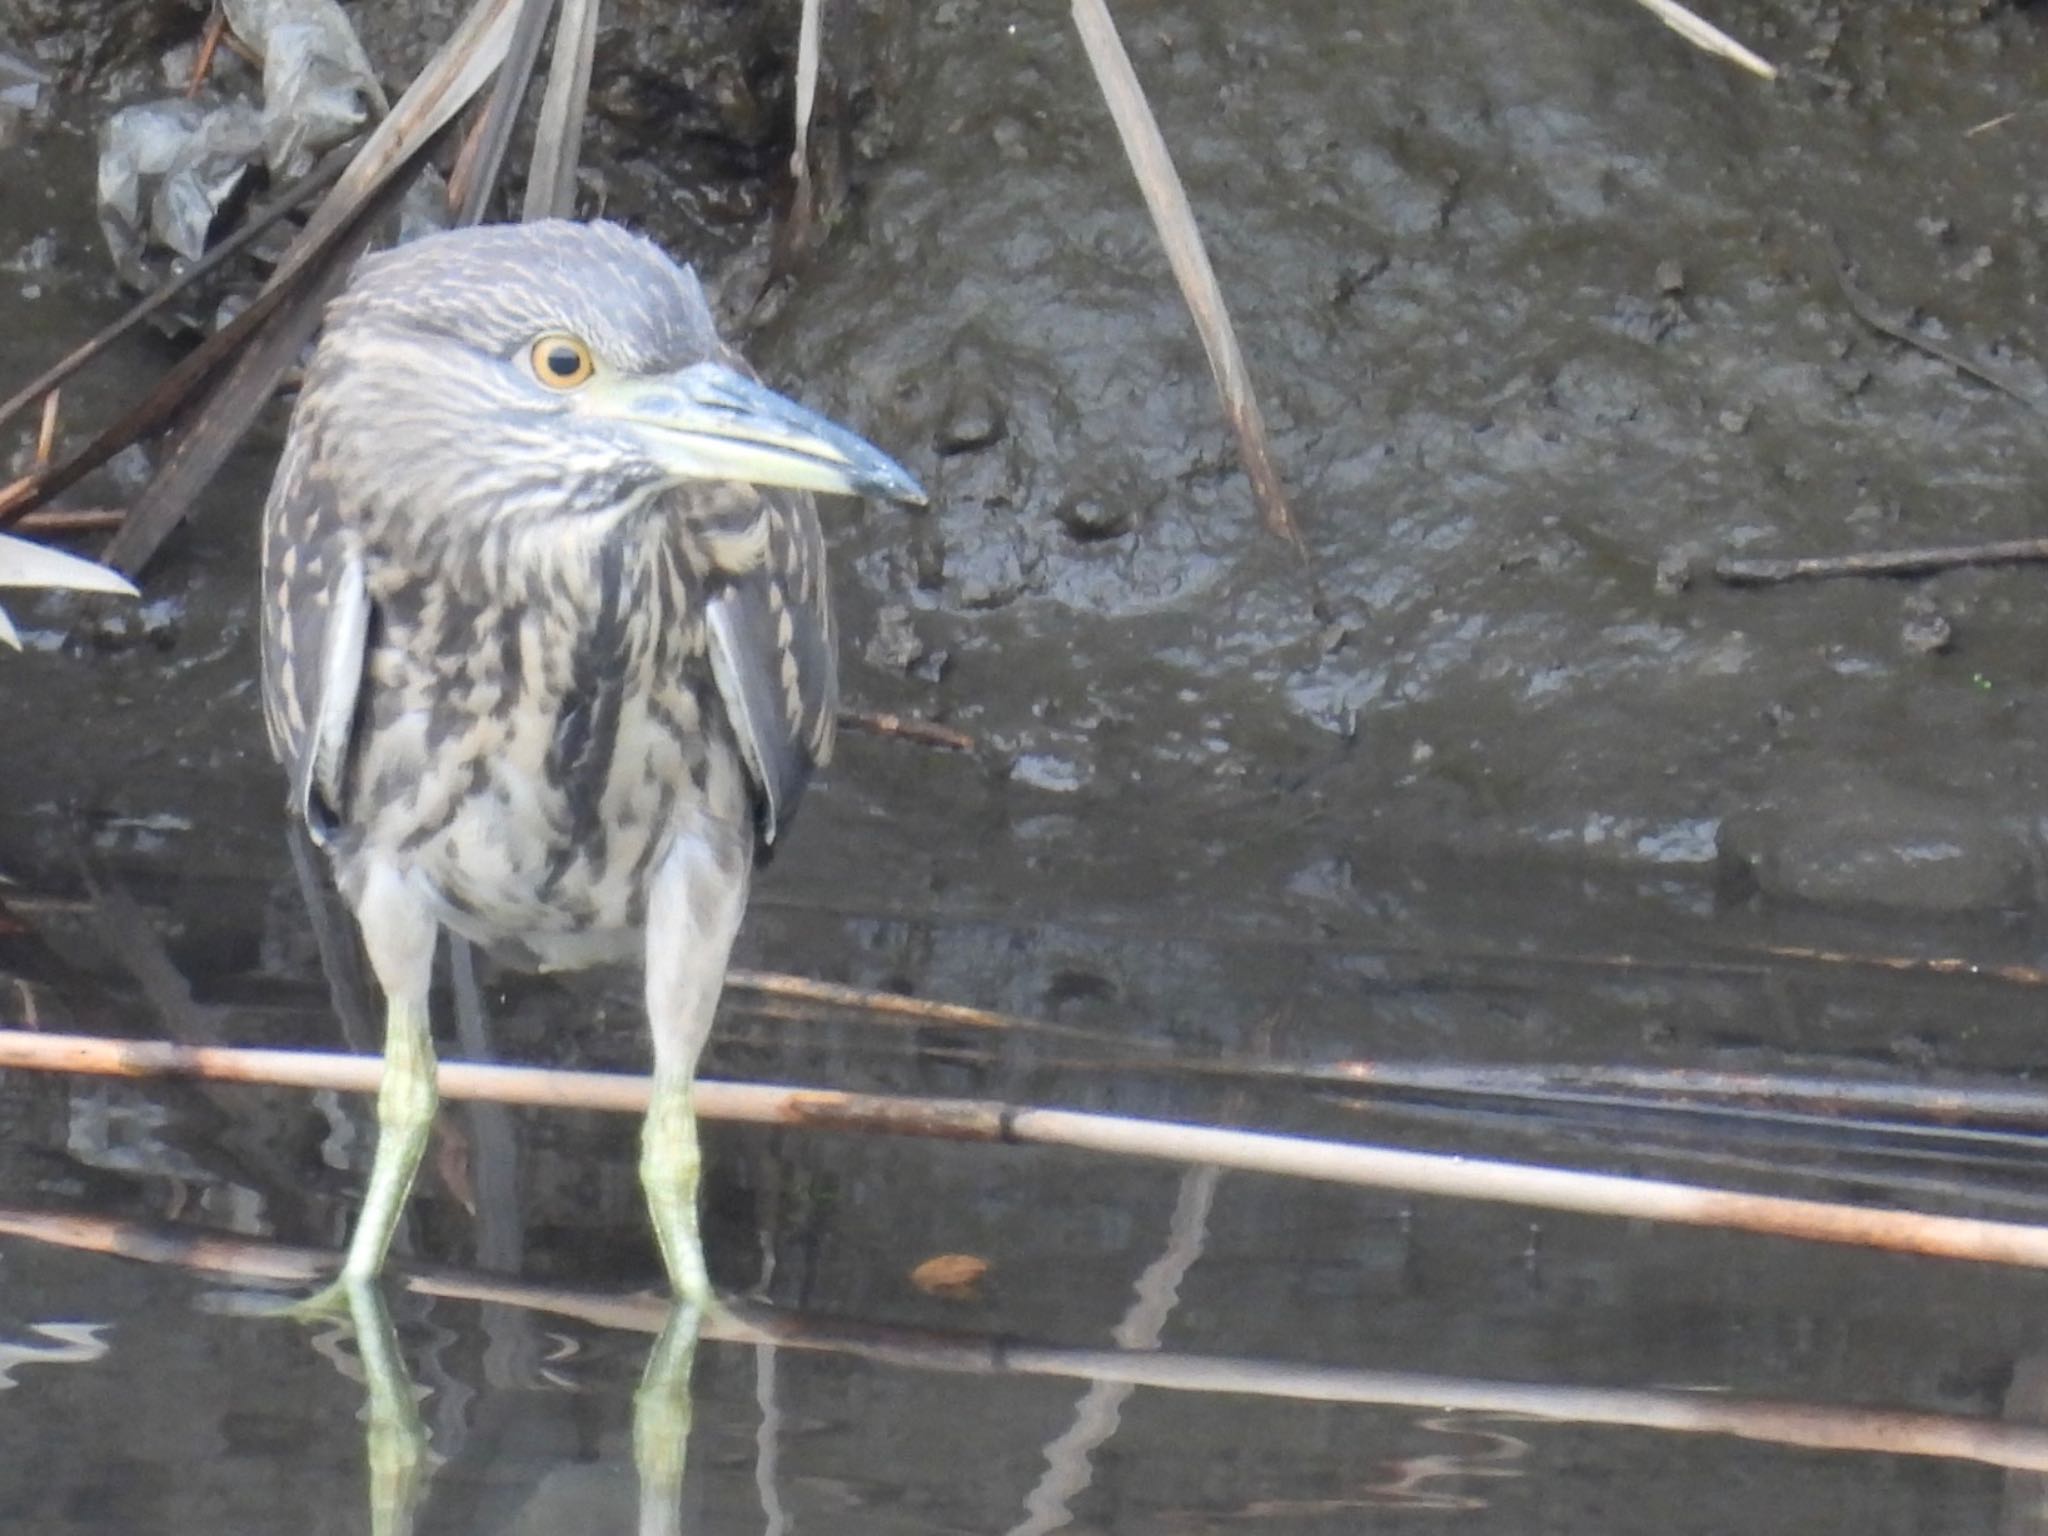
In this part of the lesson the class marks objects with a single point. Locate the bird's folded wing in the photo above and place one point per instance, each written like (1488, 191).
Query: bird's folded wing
(316, 624)
(772, 655)
(317, 783)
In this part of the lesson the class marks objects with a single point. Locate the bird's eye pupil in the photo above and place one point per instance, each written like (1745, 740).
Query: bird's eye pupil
(563, 362)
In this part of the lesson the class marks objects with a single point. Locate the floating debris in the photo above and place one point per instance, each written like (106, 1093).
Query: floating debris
(24, 564)
(174, 173)
(318, 86)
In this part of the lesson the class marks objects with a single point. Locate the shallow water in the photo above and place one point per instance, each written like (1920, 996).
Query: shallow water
(1531, 806)
(139, 1397)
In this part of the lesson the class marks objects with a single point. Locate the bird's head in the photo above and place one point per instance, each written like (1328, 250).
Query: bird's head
(516, 375)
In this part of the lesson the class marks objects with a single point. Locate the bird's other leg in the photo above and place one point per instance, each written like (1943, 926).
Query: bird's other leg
(399, 933)
(693, 913)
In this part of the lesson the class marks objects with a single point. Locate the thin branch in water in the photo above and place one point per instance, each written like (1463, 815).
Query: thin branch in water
(1984, 1184)
(1928, 965)
(1867, 309)
(1704, 34)
(1949, 1105)
(1771, 1421)
(863, 1000)
(986, 1120)
(1740, 572)
(1765, 571)
(906, 728)
(161, 1243)
(1954, 1117)
(305, 189)
(1175, 221)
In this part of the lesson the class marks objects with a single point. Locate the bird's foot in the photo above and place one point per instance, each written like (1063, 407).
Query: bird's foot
(333, 1302)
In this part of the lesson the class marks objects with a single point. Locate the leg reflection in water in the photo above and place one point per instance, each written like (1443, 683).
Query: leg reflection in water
(661, 1421)
(397, 1441)
(401, 1460)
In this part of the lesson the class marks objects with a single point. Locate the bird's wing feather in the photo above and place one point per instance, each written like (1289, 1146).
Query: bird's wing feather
(772, 656)
(734, 627)
(317, 616)
(317, 788)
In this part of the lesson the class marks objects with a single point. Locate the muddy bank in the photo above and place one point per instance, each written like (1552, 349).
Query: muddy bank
(1539, 311)
(1543, 310)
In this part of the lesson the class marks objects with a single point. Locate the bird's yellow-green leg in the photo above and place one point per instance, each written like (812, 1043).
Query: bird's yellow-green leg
(693, 914)
(670, 1173)
(399, 934)
(661, 1422)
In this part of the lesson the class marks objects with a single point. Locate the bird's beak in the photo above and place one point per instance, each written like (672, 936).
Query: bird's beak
(710, 422)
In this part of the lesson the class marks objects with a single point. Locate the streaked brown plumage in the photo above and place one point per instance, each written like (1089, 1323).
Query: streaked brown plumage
(548, 651)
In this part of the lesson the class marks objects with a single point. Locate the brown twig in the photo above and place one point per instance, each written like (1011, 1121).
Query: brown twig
(986, 1120)
(46, 431)
(1737, 571)
(70, 520)
(463, 169)
(238, 376)
(863, 1000)
(924, 732)
(1924, 965)
(313, 267)
(1947, 1106)
(240, 49)
(1867, 309)
(1740, 572)
(161, 1243)
(494, 130)
(209, 45)
(558, 135)
(300, 192)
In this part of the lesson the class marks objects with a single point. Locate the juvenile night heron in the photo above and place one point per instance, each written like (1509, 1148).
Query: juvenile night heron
(547, 649)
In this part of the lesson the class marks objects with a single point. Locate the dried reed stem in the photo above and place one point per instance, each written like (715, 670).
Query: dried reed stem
(980, 1120)
(1175, 220)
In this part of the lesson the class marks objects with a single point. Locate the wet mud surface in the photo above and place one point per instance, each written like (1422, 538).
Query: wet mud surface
(1544, 313)
(1544, 318)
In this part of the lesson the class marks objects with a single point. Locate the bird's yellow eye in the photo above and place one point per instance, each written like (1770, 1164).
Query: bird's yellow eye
(561, 361)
